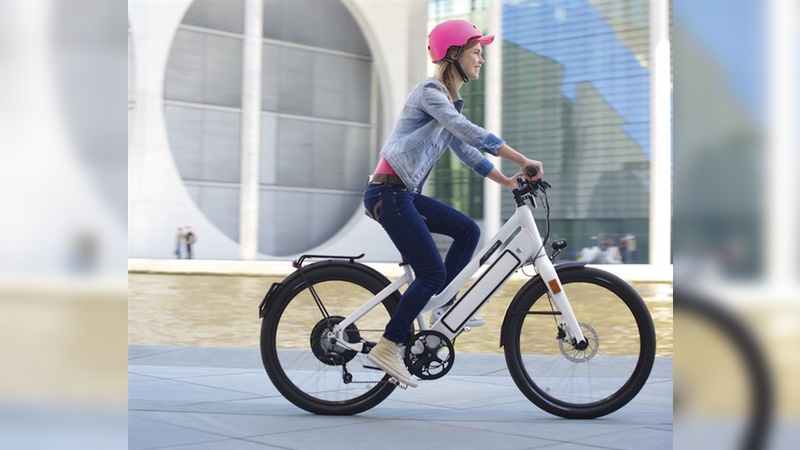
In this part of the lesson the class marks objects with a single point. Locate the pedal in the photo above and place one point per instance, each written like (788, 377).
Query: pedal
(467, 329)
(397, 383)
(392, 380)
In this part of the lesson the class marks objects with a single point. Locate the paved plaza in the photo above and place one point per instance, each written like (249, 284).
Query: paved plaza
(221, 398)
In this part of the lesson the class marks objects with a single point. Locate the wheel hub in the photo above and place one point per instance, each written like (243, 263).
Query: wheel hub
(429, 355)
(324, 345)
(581, 352)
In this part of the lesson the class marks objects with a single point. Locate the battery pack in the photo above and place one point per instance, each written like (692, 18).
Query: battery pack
(480, 292)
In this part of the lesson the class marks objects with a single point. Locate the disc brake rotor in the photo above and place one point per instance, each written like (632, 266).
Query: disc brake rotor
(576, 355)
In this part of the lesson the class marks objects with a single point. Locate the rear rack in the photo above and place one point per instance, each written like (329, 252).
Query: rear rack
(298, 263)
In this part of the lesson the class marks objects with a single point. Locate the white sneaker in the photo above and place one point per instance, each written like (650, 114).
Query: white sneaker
(437, 314)
(389, 357)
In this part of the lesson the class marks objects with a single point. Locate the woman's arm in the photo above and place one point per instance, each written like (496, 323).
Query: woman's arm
(485, 168)
(506, 152)
(498, 177)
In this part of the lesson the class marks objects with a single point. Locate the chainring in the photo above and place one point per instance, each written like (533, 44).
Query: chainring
(429, 355)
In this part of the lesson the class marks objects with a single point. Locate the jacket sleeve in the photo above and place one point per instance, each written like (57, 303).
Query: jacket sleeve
(435, 103)
(471, 157)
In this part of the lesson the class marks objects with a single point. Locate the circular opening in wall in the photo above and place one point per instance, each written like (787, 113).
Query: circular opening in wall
(315, 123)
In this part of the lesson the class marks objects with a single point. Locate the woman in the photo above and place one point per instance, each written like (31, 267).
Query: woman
(430, 122)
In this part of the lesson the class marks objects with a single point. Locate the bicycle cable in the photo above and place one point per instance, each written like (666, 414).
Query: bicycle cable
(544, 241)
(547, 223)
(546, 234)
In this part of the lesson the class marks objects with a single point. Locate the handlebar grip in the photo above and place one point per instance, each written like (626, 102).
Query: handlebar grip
(531, 171)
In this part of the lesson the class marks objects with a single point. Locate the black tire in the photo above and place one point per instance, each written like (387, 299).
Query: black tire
(291, 349)
(723, 392)
(572, 383)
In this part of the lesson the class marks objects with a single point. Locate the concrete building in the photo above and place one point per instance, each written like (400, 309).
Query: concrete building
(257, 123)
(327, 78)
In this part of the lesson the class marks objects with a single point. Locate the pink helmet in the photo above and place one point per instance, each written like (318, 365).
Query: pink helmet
(453, 33)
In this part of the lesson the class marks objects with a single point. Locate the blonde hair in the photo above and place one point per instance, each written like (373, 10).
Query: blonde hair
(448, 74)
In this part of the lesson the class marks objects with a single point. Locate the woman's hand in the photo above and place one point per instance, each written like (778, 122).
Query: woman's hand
(511, 182)
(532, 163)
(506, 152)
(498, 177)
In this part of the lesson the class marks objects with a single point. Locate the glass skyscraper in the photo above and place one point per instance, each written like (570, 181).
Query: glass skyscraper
(576, 95)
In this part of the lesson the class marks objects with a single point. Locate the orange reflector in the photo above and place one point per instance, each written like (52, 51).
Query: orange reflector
(554, 287)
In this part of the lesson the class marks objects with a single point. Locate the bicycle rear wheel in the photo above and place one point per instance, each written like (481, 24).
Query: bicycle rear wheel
(573, 383)
(304, 365)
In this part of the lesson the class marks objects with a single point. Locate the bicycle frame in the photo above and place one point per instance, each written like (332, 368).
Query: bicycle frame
(517, 242)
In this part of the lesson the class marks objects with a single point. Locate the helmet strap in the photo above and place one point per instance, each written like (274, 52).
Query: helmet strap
(458, 65)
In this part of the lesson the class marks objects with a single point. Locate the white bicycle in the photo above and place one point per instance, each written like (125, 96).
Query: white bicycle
(579, 342)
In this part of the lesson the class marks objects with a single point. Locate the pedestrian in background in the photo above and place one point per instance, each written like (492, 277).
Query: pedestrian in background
(630, 248)
(190, 239)
(179, 243)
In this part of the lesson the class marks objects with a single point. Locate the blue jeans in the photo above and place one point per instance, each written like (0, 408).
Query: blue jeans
(409, 219)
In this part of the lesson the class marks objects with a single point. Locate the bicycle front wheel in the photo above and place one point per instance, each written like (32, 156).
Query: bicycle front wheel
(580, 383)
(304, 364)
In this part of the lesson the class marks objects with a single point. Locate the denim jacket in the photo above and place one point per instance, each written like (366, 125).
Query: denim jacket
(427, 126)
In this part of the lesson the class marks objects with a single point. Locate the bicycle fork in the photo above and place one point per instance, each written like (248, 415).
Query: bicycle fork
(557, 296)
(544, 267)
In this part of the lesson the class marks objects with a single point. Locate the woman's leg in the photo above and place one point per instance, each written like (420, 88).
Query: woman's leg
(408, 231)
(444, 219)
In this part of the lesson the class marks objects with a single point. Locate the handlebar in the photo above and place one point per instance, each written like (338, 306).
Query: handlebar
(539, 184)
(529, 187)
(532, 186)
